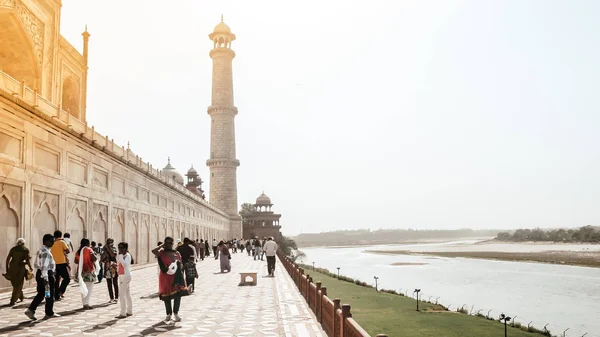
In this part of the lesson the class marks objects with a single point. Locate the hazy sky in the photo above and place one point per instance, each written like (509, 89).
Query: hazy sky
(356, 114)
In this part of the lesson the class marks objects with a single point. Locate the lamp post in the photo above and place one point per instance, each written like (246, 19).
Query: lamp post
(338, 268)
(313, 265)
(505, 319)
(417, 291)
(376, 278)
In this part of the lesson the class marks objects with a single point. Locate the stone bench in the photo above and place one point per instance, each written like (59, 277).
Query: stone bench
(251, 274)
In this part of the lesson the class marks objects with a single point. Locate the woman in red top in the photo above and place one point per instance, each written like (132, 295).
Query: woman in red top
(85, 259)
(171, 283)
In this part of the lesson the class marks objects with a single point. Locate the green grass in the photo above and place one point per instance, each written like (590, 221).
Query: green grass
(395, 315)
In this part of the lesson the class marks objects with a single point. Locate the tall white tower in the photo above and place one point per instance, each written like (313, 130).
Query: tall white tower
(223, 163)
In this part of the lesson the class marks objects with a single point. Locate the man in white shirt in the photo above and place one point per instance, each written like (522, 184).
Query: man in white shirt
(45, 270)
(270, 250)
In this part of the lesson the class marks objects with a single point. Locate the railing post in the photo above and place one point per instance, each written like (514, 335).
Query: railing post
(336, 319)
(345, 315)
(323, 294)
(307, 293)
(318, 298)
(35, 98)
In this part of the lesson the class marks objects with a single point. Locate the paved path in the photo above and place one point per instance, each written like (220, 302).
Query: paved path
(218, 308)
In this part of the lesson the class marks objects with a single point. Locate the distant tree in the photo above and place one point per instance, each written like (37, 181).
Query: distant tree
(588, 234)
(289, 248)
(246, 210)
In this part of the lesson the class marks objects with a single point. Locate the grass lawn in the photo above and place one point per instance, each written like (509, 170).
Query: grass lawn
(396, 315)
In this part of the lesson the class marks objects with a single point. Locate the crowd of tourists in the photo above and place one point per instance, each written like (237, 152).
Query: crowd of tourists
(53, 270)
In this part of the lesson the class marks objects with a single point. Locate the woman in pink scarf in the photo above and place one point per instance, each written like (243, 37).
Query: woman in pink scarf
(85, 260)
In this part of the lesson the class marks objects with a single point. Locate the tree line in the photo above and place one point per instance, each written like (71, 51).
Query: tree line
(585, 234)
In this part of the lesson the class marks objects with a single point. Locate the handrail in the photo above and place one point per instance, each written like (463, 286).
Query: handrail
(336, 320)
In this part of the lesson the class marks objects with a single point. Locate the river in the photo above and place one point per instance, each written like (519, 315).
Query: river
(561, 297)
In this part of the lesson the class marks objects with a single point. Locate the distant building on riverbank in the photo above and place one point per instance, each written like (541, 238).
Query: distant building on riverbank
(262, 222)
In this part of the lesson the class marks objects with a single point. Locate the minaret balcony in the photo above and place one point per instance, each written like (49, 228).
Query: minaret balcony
(222, 110)
(222, 162)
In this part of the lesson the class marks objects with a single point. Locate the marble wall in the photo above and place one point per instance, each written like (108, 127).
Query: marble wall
(51, 179)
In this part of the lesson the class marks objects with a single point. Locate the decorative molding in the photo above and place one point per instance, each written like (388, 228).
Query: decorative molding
(222, 110)
(13, 195)
(223, 163)
(65, 46)
(39, 198)
(33, 26)
(101, 211)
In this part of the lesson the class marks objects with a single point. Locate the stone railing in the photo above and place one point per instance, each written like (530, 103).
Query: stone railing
(29, 99)
(335, 319)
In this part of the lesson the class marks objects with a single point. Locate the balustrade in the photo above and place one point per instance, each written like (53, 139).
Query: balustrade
(336, 319)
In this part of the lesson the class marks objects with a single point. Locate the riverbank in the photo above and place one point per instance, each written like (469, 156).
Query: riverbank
(396, 315)
(367, 243)
(582, 258)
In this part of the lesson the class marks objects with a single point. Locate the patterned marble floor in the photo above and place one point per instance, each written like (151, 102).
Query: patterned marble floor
(219, 307)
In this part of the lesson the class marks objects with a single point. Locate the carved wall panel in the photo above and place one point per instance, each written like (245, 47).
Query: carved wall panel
(163, 229)
(10, 145)
(76, 223)
(133, 230)
(144, 243)
(118, 186)
(46, 157)
(132, 191)
(33, 26)
(118, 228)
(99, 224)
(9, 227)
(100, 178)
(77, 170)
(45, 216)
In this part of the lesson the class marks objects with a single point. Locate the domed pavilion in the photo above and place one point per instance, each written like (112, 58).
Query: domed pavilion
(263, 222)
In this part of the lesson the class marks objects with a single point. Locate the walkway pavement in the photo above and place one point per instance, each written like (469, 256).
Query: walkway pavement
(218, 308)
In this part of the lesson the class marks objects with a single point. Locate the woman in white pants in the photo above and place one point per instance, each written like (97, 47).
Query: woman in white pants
(124, 271)
(86, 271)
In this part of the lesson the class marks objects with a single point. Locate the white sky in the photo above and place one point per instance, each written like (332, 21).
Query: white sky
(357, 114)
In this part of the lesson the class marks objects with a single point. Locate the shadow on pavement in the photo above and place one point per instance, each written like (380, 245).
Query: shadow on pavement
(157, 328)
(18, 326)
(101, 326)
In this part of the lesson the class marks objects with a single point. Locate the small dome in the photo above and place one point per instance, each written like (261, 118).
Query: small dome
(222, 28)
(192, 172)
(263, 200)
(170, 171)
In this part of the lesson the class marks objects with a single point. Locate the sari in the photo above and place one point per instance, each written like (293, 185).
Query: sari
(170, 286)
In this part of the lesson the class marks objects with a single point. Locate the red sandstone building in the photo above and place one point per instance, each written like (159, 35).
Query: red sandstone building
(263, 222)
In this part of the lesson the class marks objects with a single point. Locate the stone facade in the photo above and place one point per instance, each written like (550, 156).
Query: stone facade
(56, 172)
(34, 52)
(223, 163)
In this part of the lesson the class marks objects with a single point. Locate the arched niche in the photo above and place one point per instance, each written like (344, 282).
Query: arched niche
(17, 56)
(75, 227)
(144, 242)
(99, 229)
(132, 237)
(44, 222)
(9, 226)
(71, 96)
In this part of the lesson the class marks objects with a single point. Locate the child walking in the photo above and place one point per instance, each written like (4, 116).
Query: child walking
(191, 273)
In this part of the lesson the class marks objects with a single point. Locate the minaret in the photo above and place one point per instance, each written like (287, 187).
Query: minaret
(223, 163)
(86, 40)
